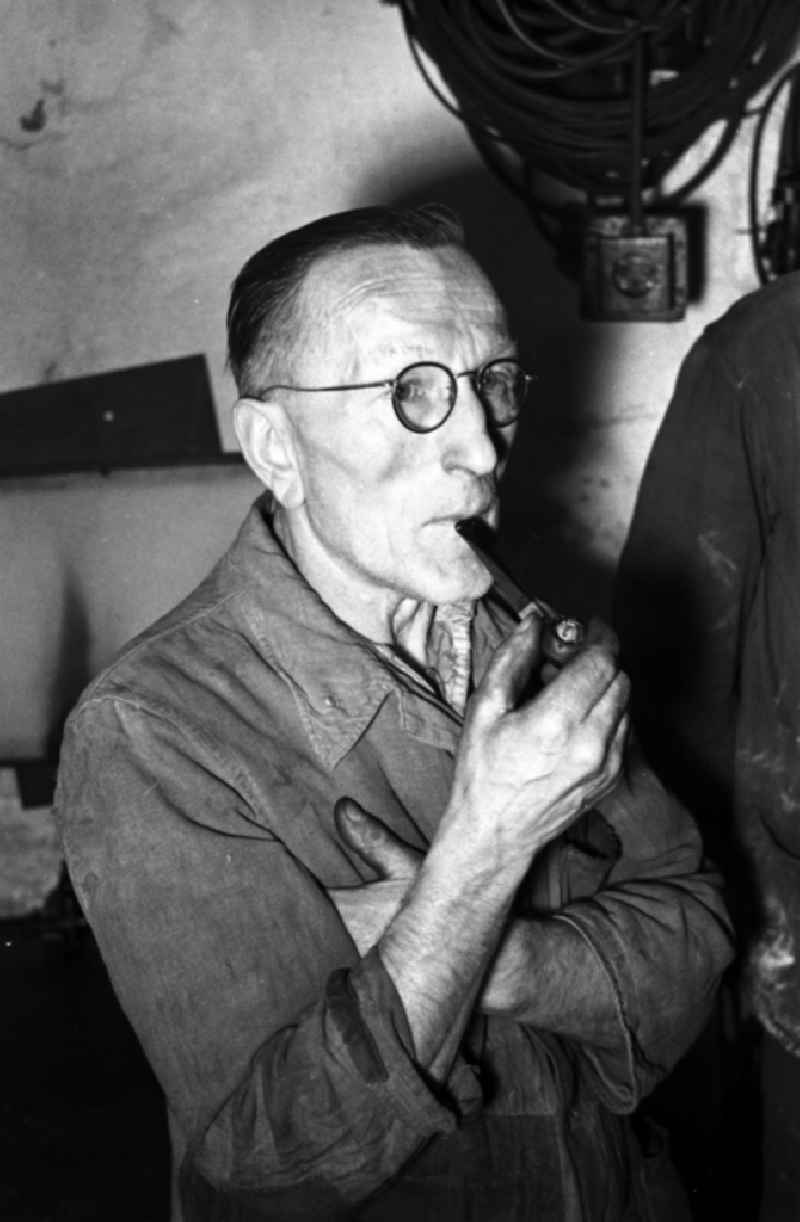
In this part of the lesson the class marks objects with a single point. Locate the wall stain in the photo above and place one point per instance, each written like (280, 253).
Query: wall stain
(36, 118)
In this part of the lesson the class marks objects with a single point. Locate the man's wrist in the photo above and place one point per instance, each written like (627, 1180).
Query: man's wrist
(468, 859)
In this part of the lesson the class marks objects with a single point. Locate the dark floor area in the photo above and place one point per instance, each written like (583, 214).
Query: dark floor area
(83, 1134)
(82, 1130)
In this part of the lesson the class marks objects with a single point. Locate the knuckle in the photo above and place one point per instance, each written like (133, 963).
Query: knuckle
(590, 751)
(557, 727)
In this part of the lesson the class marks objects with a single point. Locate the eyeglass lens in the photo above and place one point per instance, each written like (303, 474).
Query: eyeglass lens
(424, 394)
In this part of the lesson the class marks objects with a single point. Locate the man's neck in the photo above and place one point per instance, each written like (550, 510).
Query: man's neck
(380, 615)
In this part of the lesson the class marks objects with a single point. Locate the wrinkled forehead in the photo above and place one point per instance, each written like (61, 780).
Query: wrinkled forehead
(395, 299)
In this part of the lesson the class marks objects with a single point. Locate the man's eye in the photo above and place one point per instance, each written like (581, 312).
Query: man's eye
(410, 391)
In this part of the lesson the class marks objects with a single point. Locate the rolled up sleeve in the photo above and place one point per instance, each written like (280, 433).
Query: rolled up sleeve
(661, 932)
(330, 1108)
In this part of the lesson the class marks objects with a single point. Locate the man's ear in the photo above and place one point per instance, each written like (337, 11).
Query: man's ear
(267, 443)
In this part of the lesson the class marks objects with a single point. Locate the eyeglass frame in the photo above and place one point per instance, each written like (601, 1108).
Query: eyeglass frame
(475, 376)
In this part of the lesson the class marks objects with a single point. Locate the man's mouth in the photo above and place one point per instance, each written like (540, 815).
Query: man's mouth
(481, 519)
(481, 516)
(476, 530)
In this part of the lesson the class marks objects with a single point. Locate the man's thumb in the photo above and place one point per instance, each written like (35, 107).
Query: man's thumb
(373, 841)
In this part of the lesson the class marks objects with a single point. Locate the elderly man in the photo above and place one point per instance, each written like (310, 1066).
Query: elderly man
(402, 927)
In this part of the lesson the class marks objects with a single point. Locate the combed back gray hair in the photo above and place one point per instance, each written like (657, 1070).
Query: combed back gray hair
(265, 324)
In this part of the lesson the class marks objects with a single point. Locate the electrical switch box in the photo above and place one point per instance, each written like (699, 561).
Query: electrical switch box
(632, 275)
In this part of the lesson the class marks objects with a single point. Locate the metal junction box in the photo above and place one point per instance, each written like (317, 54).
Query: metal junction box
(634, 277)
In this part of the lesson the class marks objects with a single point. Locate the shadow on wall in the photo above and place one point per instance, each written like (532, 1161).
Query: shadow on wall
(72, 668)
(540, 538)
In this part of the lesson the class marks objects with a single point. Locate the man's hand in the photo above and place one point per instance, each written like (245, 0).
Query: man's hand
(368, 909)
(526, 768)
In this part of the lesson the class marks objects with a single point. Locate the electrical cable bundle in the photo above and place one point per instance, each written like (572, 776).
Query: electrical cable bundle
(553, 81)
(776, 246)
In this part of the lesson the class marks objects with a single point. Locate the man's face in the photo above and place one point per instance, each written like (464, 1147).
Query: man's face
(381, 503)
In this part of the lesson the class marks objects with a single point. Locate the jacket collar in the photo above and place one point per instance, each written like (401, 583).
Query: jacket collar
(338, 680)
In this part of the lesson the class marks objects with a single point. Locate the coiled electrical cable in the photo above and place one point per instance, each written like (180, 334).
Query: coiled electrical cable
(552, 80)
(788, 167)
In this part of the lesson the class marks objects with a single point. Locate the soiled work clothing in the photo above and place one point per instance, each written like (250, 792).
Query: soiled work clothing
(708, 609)
(197, 788)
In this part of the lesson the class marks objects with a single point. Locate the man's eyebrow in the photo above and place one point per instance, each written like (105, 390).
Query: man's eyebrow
(505, 347)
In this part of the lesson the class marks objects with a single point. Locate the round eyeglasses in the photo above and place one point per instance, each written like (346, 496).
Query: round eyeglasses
(424, 393)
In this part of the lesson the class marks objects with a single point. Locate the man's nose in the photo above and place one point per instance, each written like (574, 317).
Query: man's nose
(470, 443)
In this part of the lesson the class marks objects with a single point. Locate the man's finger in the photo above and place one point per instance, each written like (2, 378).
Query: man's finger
(509, 669)
(598, 632)
(373, 841)
(580, 684)
(612, 706)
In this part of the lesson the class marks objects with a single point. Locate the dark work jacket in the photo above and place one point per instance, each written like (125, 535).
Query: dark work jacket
(708, 609)
(196, 795)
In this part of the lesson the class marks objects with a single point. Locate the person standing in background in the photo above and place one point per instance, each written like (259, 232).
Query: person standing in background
(707, 605)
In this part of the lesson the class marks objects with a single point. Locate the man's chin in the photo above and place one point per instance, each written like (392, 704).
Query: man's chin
(463, 581)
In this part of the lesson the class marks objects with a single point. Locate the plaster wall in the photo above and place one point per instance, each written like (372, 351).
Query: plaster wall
(147, 147)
